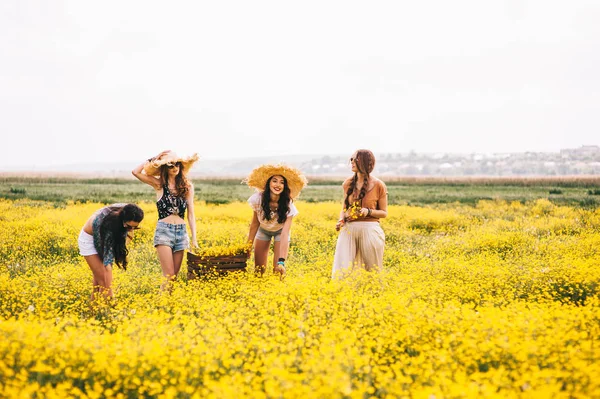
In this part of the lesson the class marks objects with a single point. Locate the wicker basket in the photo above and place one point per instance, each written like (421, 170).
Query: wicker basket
(205, 266)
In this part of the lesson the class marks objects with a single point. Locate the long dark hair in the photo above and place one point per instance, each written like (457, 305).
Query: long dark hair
(365, 162)
(283, 205)
(113, 232)
(182, 184)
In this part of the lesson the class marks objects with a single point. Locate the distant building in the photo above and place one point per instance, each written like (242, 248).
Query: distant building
(584, 150)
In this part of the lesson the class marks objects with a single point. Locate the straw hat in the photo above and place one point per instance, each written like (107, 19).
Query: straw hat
(152, 168)
(295, 179)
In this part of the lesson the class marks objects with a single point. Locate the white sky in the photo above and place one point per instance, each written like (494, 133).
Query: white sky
(108, 81)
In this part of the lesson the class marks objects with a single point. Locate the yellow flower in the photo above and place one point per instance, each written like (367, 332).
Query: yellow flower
(354, 211)
(493, 300)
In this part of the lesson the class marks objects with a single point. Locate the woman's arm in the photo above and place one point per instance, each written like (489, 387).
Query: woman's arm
(376, 213)
(382, 204)
(144, 178)
(192, 215)
(254, 224)
(342, 219)
(108, 254)
(253, 229)
(150, 180)
(285, 237)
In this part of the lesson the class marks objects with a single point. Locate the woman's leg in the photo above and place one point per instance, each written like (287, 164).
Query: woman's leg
(261, 252)
(102, 277)
(182, 242)
(345, 252)
(371, 247)
(165, 256)
(177, 261)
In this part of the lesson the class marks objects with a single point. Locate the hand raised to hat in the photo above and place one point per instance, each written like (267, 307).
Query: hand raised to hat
(159, 155)
(163, 153)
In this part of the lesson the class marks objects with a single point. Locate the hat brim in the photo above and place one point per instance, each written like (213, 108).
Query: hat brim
(295, 179)
(152, 168)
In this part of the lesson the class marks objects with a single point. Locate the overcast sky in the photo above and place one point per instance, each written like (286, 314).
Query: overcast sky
(108, 81)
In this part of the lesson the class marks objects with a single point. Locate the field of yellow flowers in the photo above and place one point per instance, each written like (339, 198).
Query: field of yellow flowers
(496, 300)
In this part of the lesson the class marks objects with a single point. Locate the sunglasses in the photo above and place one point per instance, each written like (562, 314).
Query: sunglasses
(172, 165)
(128, 227)
(353, 159)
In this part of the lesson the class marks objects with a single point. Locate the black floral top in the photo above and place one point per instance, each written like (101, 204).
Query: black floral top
(170, 204)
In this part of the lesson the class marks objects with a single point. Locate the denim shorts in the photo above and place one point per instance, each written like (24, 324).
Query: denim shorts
(171, 235)
(266, 235)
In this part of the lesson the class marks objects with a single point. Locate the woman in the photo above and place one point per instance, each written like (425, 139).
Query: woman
(166, 173)
(103, 241)
(274, 209)
(361, 240)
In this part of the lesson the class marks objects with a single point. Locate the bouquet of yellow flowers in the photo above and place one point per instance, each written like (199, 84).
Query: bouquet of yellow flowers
(353, 212)
(350, 213)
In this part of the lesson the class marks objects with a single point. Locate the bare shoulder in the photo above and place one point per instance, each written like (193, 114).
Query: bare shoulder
(157, 184)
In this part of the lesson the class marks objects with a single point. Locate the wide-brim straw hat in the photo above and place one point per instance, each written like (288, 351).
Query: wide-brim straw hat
(295, 179)
(152, 168)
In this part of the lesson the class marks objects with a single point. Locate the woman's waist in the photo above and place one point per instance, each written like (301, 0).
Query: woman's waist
(362, 220)
(271, 231)
(172, 220)
(271, 227)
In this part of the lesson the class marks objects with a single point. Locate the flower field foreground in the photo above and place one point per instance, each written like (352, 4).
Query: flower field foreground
(497, 300)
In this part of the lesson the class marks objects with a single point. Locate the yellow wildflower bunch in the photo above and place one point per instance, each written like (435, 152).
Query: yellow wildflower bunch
(223, 250)
(353, 212)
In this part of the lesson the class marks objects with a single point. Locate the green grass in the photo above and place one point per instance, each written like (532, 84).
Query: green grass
(400, 191)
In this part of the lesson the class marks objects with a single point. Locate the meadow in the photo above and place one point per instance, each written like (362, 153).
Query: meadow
(581, 191)
(478, 299)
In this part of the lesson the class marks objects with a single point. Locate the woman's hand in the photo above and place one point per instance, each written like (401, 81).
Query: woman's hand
(159, 155)
(340, 224)
(280, 268)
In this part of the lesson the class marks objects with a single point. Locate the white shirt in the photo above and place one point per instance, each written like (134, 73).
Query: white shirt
(269, 225)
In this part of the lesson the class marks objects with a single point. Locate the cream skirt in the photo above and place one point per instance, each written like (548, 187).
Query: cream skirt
(360, 244)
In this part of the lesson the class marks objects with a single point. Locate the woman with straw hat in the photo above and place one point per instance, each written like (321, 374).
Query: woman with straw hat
(167, 174)
(361, 240)
(274, 209)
